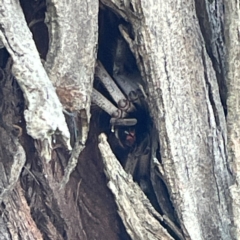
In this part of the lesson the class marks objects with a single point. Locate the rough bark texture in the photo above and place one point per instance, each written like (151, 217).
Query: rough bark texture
(187, 111)
(43, 113)
(49, 192)
(139, 217)
(72, 51)
(232, 42)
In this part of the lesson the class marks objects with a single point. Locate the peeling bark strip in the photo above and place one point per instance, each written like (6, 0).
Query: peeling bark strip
(139, 217)
(72, 51)
(44, 111)
(71, 61)
(185, 104)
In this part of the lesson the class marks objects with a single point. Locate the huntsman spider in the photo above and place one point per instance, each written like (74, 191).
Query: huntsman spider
(128, 113)
(130, 122)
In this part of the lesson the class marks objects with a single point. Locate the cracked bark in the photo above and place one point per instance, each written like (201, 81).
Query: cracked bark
(180, 52)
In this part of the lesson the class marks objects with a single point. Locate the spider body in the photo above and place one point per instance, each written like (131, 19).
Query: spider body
(126, 136)
(130, 137)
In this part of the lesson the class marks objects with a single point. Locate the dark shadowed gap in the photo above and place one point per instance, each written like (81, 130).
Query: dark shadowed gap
(34, 12)
(109, 35)
(211, 21)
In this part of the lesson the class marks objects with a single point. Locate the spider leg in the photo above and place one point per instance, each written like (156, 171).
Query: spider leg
(125, 72)
(118, 116)
(122, 102)
(126, 82)
(106, 105)
(131, 86)
(123, 121)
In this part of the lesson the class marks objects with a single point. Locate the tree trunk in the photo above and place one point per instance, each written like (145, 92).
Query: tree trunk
(65, 174)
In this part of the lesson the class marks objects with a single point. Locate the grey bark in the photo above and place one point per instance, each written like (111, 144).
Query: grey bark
(180, 53)
(185, 104)
(232, 43)
(44, 111)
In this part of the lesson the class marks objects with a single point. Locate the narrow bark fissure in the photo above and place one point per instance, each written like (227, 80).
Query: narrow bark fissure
(210, 91)
(165, 67)
(210, 17)
(34, 12)
(126, 64)
(217, 121)
(123, 60)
